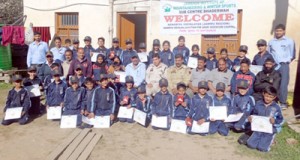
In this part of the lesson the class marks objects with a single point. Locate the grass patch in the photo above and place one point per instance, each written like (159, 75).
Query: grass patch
(281, 150)
(5, 86)
(290, 98)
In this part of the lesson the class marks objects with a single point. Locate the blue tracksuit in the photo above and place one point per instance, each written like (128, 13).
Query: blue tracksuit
(163, 105)
(199, 108)
(117, 51)
(18, 99)
(218, 125)
(132, 95)
(55, 93)
(146, 108)
(35, 101)
(88, 97)
(238, 76)
(260, 60)
(211, 64)
(229, 64)
(87, 51)
(184, 51)
(167, 57)
(74, 102)
(241, 104)
(262, 141)
(45, 70)
(103, 101)
(180, 112)
(126, 56)
(237, 62)
(103, 51)
(151, 53)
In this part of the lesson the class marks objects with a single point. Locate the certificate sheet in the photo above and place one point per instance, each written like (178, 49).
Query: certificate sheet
(143, 57)
(34, 90)
(54, 112)
(121, 76)
(94, 57)
(193, 62)
(203, 128)
(178, 126)
(88, 120)
(160, 121)
(102, 122)
(256, 68)
(68, 121)
(125, 113)
(140, 117)
(234, 117)
(13, 113)
(218, 112)
(261, 124)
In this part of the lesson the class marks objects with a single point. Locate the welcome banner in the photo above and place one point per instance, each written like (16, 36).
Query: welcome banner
(208, 17)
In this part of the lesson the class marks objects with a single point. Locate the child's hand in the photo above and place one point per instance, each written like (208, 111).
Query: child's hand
(62, 105)
(212, 119)
(176, 104)
(82, 112)
(122, 102)
(184, 104)
(47, 107)
(201, 121)
(23, 112)
(272, 120)
(86, 113)
(91, 115)
(129, 106)
(250, 119)
(112, 117)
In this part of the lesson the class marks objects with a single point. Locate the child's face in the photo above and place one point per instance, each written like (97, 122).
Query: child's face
(129, 85)
(101, 42)
(100, 59)
(164, 89)
(78, 72)
(242, 91)
(195, 51)
(56, 78)
(129, 46)
(17, 84)
(220, 93)
(104, 83)
(115, 44)
(224, 55)
(141, 95)
(32, 73)
(242, 54)
(156, 47)
(75, 85)
(89, 85)
(244, 67)
(210, 56)
(262, 48)
(181, 91)
(268, 98)
(181, 42)
(202, 91)
(166, 46)
(68, 44)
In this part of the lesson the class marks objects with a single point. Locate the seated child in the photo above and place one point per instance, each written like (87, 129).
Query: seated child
(181, 103)
(220, 100)
(199, 107)
(143, 103)
(17, 97)
(268, 108)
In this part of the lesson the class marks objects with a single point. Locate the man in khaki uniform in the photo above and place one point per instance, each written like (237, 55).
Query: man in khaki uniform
(177, 73)
(154, 73)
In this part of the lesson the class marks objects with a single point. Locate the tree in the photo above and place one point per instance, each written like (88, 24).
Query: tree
(10, 11)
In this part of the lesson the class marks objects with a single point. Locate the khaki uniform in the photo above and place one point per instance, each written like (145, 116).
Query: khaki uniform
(175, 75)
(153, 75)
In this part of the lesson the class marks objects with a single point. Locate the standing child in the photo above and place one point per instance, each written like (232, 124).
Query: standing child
(163, 103)
(220, 100)
(242, 55)
(224, 54)
(35, 108)
(155, 50)
(182, 49)
(166, 55)
(199, 107)
(142, 50)
(74, 100)
(143, 103)
(195, 51)
(100, 66)
(211, 62)
(241, 103)
(89, 84)
(268, 108)
(127, 96)
(181, 103)
(17, 97)
(127, 53)
(55, 92)
(103, 101)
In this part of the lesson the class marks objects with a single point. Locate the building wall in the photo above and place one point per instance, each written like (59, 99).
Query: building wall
(96, 20)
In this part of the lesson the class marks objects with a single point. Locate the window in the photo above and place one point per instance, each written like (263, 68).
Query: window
(66, 26)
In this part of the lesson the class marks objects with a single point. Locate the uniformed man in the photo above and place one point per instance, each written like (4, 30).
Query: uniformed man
(154, 73)
(177, 73)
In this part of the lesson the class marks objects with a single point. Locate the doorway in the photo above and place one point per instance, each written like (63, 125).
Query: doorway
(132, 25)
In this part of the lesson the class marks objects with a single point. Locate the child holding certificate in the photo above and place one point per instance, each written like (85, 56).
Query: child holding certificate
(266, 108)
(127, 97)
(89, 84)
(181, 103)
(199, 112)
(163, 104)
(220, 100)
(241, 103)
(17, 97)
(74, 100)
(143, 103)
(103, 100)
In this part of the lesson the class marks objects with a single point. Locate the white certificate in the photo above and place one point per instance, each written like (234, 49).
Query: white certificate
(261, 124)
(87, 120)
(102, 122)
(218, 112)
(94, 56)
(234, 117)
(256, 68)
(143, 57)
(121, 76)
(34, 90)
(178, 126)
(54, 112)
(203, 128)
(13, 113)
(159, 121)
(140, 117)
(124, 112)
(68, 121)
(193, 62)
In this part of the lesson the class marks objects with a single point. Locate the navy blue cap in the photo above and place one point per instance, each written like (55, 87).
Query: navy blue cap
(56, 72)
(163, 82)
(203, 84)
(17, 77)
(261, 42)
(74, 79)
(210, 50)
(243, 84)
(129, 79)
(128, 41)
(243, 48)
(141, 89)
(220, 86)
(156, 42)
(87, 38)
(31, 68)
